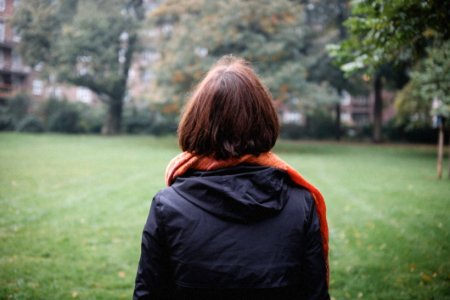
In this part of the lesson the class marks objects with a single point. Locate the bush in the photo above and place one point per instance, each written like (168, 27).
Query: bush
(319, 125)
(13, 110)
(30, 124)
(51, 107)
(6, 120)
(403, 133)
(137, 121)
(19, 106)
(72, 117)
(292, 131)
(91, 119)
(148, 121)
(65, 121)
(164, 126)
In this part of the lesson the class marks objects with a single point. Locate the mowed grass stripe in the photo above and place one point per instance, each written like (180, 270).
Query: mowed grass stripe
(387, 215)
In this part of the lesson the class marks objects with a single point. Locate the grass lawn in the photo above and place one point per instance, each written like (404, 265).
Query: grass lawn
(72, 209)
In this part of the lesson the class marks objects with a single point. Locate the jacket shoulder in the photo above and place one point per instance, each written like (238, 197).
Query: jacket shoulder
(168, 199)
(300, 199)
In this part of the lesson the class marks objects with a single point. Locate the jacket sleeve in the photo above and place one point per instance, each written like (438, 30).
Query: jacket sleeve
(153, 274)
(315, 273)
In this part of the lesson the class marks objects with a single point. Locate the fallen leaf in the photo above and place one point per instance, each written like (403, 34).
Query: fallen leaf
(426, 278)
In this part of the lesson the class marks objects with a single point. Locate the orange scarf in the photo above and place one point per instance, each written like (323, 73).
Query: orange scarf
(185, 161)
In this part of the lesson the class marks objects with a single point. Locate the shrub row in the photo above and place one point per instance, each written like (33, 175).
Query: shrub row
(54, 115)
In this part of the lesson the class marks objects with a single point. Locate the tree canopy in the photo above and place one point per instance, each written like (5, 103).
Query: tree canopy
(410, 34)
(86, 43)
(395, 32)
(270, 34)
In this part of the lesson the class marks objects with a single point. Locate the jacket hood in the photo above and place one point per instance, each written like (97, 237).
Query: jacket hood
(244, 193)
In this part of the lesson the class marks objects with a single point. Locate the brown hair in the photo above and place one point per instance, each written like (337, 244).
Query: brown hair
(229, 114)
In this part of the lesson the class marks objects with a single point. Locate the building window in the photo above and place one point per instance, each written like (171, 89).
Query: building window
(2, 31)
(16, 3)
(16, 61)
(84, 95)
(2, 59)
(292, 117)
(346, 118)
(58, 93)
(38, 87)
(2, 5)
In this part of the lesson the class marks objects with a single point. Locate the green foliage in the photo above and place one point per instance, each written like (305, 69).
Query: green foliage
(70, 117)
(85, 43)
(325, 21)
(411, 132)
(50, 107)
(412, 110)
(18, 106)
(270, 34)
(150, 121)
(319, 125)
(39, 23)
(91, 118)
(391, 32)
(65, 121)
(72, 209)
(13, 110)
(432, 78)
(138, 121)
(402, 33)
(30, 124)
(90, 43)
(5, 119)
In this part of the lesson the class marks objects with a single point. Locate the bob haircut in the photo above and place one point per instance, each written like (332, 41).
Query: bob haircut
(229, 114)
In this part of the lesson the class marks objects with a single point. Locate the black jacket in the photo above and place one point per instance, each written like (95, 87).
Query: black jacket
(245, 232)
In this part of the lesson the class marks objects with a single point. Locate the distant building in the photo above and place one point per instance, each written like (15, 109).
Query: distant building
(14, 75)
(357, 111)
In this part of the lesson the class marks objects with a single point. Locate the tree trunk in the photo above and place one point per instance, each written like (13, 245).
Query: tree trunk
(338, 121)
(114, 118)
(377, 109)
(440, 150)
(341, 16)
(449, 156)
(113, 122)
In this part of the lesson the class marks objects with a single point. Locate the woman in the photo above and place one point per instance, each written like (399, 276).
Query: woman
(235, 222)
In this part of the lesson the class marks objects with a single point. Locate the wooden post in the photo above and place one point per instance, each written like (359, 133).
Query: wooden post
(440, 149)
(448, 174)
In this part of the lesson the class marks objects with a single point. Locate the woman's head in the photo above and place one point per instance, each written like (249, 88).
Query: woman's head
(229, 114)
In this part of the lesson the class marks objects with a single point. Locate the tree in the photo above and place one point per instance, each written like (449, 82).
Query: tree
(85, 43)
(431, 80)
(270, 34)
(390, 32)
(327, 18)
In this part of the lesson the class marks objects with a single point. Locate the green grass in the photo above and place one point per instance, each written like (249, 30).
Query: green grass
(72, 209)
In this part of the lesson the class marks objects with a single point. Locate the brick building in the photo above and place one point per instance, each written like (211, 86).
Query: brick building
(14, 75)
